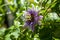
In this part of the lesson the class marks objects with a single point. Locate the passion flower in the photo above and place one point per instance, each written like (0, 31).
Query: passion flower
(32, 18)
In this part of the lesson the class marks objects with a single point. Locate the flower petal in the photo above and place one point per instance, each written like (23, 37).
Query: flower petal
(40, 17)
(32, 26)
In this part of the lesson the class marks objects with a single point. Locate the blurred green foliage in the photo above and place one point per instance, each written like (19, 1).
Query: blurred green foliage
(48, 30)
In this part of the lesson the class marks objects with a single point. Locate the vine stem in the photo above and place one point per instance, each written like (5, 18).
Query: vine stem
(4, 5)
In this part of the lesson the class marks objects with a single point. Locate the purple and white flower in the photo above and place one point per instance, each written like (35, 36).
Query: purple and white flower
(32, 18)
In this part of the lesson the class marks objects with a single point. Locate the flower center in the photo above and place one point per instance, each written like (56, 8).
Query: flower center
(32, 17)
